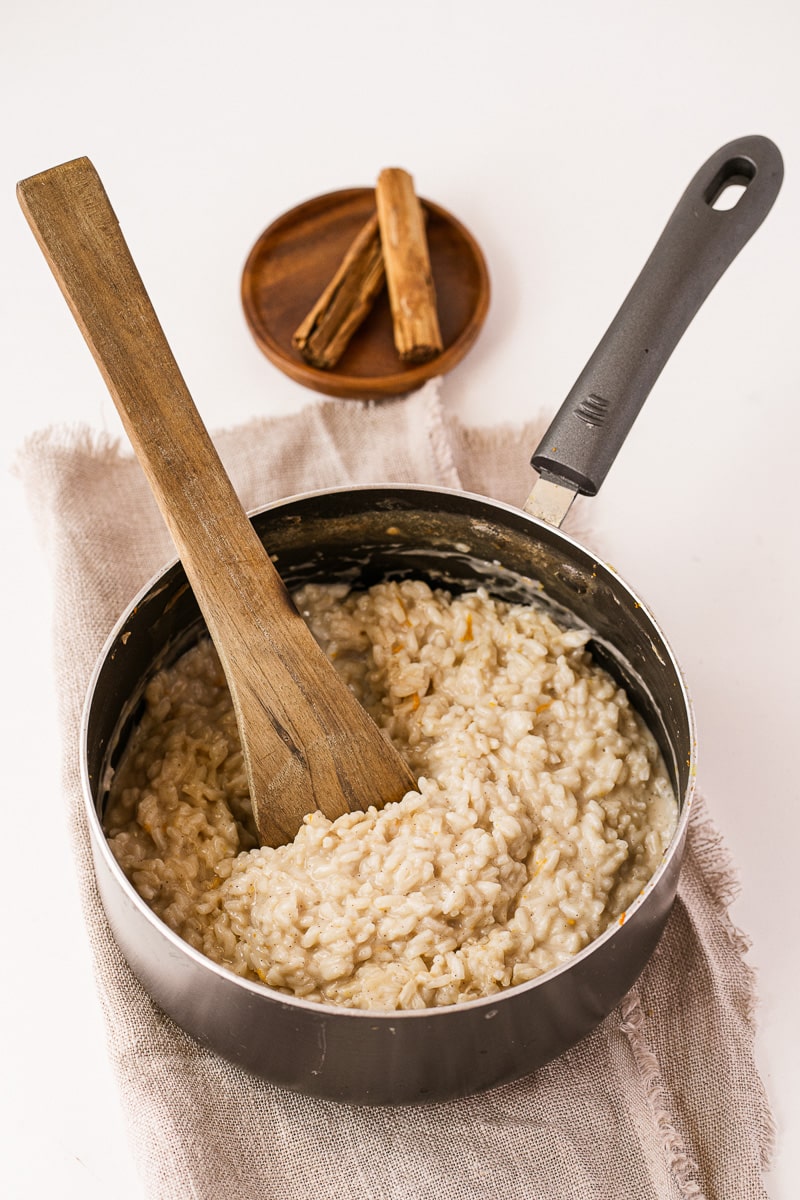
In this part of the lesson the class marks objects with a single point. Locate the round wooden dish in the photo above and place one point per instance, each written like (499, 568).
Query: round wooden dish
(297, 255)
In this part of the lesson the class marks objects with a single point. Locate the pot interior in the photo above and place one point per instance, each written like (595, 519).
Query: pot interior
(449, 539)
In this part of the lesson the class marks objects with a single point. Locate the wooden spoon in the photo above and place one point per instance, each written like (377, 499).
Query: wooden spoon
(307, 741)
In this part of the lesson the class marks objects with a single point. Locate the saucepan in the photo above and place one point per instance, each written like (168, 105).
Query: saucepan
(460, 541)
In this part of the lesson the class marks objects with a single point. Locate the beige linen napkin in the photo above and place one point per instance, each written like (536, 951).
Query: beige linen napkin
(663, 1100)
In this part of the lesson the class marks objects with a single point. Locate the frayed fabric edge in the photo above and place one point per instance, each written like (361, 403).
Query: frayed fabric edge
(720, 876)
(682, 1166)
(438, 436)
(66, 439)
(717, 868)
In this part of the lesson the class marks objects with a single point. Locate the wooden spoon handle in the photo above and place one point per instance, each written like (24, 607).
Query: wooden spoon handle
(76, 227)
(307, 742)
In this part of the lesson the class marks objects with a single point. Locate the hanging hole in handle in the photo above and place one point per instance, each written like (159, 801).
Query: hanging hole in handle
(730, 183)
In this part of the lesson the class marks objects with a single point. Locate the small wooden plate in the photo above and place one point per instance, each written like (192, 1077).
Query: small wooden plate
(297, 255)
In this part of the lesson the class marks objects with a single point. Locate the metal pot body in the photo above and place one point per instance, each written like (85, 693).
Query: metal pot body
(361, 536)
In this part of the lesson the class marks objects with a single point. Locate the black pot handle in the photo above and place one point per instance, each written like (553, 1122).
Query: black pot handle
(696, 247)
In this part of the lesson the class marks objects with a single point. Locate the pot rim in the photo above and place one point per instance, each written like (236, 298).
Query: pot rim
(263, 991)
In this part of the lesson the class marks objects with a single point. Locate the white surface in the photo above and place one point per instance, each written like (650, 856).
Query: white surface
(561, 136)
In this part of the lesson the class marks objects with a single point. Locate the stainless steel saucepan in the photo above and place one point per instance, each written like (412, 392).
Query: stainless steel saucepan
(461, 541)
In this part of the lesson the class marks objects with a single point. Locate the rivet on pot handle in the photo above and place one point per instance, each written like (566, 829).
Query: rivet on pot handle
(697, 246)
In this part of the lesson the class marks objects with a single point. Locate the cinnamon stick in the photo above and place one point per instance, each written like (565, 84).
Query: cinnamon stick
(323, 335)
(409, 278)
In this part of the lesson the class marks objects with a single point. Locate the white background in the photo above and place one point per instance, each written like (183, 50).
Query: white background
(561, 135)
